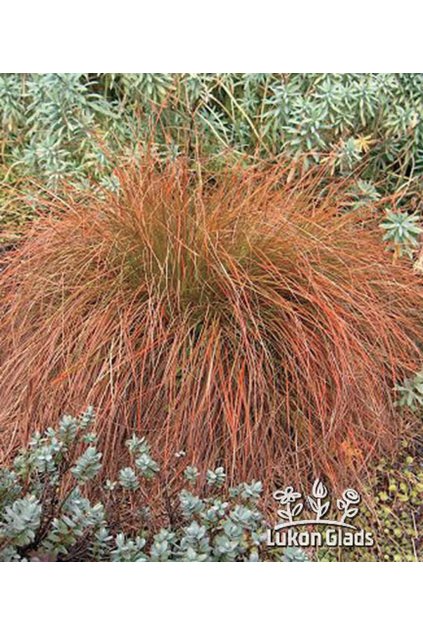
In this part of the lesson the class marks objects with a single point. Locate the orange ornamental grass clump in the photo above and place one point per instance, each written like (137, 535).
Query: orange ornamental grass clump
(251, 323)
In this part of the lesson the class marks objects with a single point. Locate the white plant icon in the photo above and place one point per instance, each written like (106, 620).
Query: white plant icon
(286, 497)
(316, 503)
(349, 504)
(319, 503)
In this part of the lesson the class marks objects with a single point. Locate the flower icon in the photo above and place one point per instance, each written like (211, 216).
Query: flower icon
(348, 504)
(286, 496)
(319, 491)
(319, 502)
(351, 496)
(315, 501)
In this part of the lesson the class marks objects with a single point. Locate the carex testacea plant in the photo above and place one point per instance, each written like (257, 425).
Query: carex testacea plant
(242, 317)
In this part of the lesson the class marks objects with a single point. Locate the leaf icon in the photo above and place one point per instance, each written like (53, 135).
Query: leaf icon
(351, 512)
(313, 504)
(297, 509)
(283, 514)
(324, 509)
(340, 504)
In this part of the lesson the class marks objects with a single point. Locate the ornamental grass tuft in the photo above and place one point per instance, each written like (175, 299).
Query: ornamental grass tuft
(242, 317)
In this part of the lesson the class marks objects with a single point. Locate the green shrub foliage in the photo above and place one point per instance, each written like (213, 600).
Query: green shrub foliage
(395, 514)
(46, 516)
(61, 127)
(53, 123)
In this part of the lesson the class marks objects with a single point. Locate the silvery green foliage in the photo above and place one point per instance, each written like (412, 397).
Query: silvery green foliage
(217, 477)
(402, 231)
(20, 520)
(294, 554)
(363, 194)
(70, 127)
(411, 392)
(12, 105)
(146, 87)
(128, 479)
(88, 465)
(190, 504)
(78, 518)
(253, 490)
(127, 549)
(54, 118)
(45, 515)
(146, 466)
(58, 125)
(191, 474)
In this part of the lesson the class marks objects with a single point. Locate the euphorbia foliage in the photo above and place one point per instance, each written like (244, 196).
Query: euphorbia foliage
(247, 320)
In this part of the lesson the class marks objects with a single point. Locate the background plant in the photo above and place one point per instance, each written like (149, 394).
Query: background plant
(393, 494)
(393, 512)
(57, 127)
